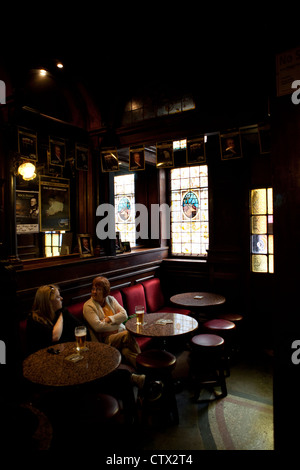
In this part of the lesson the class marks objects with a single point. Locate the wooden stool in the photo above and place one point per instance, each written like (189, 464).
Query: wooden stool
(226, 330)
(158, 365)
(207, 363)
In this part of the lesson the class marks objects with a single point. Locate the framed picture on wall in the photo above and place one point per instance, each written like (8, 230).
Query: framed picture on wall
(85, 244)
(136, 158)
(195, 151)
(57, 152)
(164, 154)
(54, 204)
(231, 146)
(81, 157)
(109, 160)
(27, 144)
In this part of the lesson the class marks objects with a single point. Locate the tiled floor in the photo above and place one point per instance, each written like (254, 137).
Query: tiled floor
(241, 421)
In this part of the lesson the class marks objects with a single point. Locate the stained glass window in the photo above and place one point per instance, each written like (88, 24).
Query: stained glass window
(189, 211)
(261, 228)
(124, 194)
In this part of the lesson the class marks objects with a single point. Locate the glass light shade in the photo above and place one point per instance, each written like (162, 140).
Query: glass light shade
(27, 170)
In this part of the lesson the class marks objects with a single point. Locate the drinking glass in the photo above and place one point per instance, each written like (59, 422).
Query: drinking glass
(80, 336)
(139, 311)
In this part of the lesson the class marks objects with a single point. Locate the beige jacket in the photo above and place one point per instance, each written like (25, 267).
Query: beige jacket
(94, 316)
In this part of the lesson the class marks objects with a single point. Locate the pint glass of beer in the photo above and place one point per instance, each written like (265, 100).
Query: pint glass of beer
(80, 336)
(139, 311)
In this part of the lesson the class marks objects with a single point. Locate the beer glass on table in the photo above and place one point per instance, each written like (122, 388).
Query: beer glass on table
(139, 312)
(80, 336)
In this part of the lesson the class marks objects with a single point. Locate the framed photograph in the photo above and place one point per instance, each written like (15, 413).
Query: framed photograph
(195, 151)
(264, 136)
(164, 154)
(126, 247)
(230, 144)
(85, 244)
(136, 158)
(54, 204)
(119, 246)
(27, 211)
(82, 157)
(27, 144)
(57, 152)
(109, 160)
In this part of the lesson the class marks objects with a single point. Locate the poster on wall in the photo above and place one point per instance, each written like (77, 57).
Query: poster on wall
(27, 144)
(195, 151)
(27, 211)
(54, 203)
(164, 154)
(231, 147)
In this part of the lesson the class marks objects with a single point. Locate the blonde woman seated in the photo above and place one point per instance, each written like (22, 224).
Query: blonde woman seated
(49, 323)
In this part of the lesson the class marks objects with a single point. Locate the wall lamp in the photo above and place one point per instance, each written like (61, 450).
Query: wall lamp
(27, 171)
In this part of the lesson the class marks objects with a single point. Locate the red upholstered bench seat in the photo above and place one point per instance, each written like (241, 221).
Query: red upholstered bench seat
(147, 293)
(155, 298)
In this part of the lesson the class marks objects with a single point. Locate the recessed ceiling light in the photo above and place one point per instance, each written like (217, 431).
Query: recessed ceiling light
(43, 72)
(59, 65)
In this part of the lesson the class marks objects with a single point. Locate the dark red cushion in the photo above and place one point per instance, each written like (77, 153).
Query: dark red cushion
(144, 342)
(154, 295)
(116, 293)
(155, 298)
(77, 310)
(133, 295)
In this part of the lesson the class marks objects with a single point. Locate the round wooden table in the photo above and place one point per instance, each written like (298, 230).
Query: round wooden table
(154, 325)
(197, 300)
(47, 368)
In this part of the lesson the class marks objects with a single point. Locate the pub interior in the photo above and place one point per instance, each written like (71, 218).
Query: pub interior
(232, 243)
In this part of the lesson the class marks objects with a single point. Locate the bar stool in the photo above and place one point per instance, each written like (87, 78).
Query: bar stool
(237, 319)
(158, 365)
(207, 363)
(226, 330)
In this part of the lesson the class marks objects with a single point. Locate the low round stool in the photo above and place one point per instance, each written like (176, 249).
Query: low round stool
(237, 319)
(158, 365)
(225, 329)
(207, 363)
(99, 408)
(233, 317)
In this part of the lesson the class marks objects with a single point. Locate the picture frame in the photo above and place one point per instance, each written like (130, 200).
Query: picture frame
(164, 154)
(230, 145)
(54, 196)
(136, 158)
(27, 144)
(57, 152)
(81, 157)
(27, 211)
(126, 247)
(85, 244)
(109, 160)
(195, 151)
(119, 245)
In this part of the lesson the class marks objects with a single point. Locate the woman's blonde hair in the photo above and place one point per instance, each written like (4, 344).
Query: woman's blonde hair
(42, 310)
(104, 283)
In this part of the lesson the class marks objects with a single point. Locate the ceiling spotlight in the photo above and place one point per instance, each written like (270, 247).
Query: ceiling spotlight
(59, 65)
(43, 72)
